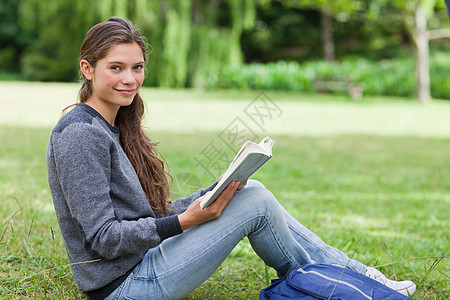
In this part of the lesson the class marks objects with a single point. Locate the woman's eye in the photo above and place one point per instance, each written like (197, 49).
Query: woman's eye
(139, 67)
(115, 68)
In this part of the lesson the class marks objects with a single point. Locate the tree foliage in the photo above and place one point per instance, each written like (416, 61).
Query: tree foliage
(190, 40)
(415, 16)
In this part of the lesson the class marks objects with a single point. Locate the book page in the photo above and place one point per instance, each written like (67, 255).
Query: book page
(249, 159)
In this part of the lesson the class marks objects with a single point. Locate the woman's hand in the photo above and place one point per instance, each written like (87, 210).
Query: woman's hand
(194, 215)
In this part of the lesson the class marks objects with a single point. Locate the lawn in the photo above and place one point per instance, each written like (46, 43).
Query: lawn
(370, 177)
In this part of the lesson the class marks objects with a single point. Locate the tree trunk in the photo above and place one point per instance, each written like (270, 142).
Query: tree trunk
(197, 11)
(327, 35)
(447, 3)
(422, 57)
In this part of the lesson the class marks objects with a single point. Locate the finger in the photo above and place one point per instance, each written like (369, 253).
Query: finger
(241, 186)
(225, 197)
(231, 189)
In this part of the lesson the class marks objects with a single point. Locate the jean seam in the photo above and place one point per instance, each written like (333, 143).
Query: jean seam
(144, 279)
(121, 288)
(316, 245)
(288, 257)
(136, 270)
(141, 278)
(311, 241)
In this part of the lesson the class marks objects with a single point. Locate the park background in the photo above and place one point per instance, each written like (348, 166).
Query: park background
(367, 170)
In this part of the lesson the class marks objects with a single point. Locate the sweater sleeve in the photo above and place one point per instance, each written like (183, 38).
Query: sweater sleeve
(82, 157)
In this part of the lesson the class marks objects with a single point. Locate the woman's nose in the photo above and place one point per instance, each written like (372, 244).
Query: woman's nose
(128, 77)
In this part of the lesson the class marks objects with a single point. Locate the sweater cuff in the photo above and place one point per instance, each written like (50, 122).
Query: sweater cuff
(168, 227)
(211, 187)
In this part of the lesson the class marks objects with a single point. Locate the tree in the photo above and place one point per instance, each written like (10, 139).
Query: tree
(12, 39)
(329, 11)
(56, 29)
(416, 15)
(188, 39)
(216, 32)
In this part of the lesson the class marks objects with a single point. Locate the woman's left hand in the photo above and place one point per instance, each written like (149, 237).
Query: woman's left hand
(194, 215)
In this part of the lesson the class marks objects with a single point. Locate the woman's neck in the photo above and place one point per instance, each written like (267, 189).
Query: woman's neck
(108, 112)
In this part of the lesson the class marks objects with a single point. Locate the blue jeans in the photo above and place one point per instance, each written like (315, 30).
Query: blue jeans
(182, 263)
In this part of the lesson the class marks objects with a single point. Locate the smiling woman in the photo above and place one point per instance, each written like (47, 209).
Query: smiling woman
(115, 80)
(112, 60)
(110, 190)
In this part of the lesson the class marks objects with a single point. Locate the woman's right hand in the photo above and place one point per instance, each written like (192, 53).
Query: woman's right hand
(194, 215)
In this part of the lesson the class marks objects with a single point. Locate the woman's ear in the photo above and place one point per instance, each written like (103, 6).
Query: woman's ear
(86, 69)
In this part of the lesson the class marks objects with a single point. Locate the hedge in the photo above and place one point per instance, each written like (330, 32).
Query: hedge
(394, 77)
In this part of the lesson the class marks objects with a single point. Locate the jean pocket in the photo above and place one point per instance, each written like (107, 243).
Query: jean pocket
(116, 294)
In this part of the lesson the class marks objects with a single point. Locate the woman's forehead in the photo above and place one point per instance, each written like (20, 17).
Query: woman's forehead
(125, 53)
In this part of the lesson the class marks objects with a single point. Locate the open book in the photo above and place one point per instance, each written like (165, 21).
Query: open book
(249, 159)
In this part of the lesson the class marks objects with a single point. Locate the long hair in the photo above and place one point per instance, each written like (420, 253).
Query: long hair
(141, 151)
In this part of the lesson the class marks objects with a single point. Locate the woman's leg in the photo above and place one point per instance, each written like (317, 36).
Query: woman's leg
(319, 251)
(181, 263)
(325, 254)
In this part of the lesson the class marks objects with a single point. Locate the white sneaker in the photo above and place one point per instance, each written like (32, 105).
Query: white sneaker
(406, 287)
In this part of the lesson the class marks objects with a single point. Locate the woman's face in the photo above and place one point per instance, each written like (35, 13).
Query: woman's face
(117, 77)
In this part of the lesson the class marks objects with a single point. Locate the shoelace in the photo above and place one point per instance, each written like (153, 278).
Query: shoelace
(378, 278)
(382, 279)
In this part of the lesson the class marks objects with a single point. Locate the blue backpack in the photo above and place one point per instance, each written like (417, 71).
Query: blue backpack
(318, 281)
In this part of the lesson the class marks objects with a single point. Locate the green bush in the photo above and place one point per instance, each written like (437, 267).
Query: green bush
(8, 59)
(395, 77)
(10, 76)
(440, 76)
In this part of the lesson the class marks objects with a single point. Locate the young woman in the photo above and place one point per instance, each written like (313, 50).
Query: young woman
(123, 236)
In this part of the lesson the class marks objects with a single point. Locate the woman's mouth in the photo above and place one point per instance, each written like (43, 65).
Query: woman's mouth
(126, 92)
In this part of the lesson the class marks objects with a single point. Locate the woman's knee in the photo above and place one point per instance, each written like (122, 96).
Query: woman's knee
(255, 194)
(252, 183)
(258, 188)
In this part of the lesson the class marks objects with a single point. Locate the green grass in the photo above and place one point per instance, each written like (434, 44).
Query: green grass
(379, 192)
(383, 197)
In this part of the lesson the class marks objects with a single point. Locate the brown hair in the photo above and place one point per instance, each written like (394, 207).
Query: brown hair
(141, 151)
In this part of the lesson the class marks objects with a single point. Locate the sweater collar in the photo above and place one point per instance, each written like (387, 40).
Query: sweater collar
(95, 113)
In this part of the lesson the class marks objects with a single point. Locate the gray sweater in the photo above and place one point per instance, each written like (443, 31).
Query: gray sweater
(105, 219)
